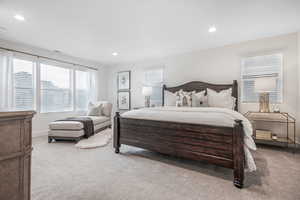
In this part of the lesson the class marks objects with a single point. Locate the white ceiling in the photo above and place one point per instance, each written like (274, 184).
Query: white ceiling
(142, 29)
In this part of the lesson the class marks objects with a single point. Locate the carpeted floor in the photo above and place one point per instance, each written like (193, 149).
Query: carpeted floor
(60, 171)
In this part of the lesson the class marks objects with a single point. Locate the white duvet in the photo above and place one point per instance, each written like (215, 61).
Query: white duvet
(201, 115)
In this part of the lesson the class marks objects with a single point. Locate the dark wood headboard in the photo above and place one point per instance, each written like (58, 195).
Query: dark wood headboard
(200, 86)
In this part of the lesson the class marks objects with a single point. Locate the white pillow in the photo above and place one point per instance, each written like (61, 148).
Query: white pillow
(199, 99)
(105, 106)
(106, 109)
(184, 99)
(170, 98)
(94, 110)
(222, 99)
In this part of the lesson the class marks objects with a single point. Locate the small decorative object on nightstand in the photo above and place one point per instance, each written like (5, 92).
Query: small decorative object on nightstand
(147, 92)
(263, 121)
(264, 86)
(276, 108)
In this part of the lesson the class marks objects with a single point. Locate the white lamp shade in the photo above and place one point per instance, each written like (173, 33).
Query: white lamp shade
(147, 91)
(265, 84)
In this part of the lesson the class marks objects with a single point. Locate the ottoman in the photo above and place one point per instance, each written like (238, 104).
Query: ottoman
(73, 130)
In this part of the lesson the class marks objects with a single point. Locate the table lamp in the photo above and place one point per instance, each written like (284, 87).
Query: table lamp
(264, 86)
(147, 92)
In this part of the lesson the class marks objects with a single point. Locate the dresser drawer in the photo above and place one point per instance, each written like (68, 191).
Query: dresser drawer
(11, 140)
(15, 155)
(10, 173)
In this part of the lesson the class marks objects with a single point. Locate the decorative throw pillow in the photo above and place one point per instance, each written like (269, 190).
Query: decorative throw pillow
(94, 110)
(184, 99)
(222, 99)
(105, 107)
(199, 99)
(233, 100)
(170, 98)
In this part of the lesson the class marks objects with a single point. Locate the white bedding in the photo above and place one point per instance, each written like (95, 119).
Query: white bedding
(201, 115)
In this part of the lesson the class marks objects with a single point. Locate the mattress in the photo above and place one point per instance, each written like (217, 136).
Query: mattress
(76, 133)
(200, 115)
(73, 125)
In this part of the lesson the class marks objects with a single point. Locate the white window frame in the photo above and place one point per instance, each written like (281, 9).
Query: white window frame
(280, 76)
(71, 75)
(75, 87)
(11, 100)
(156, 85)
(8, 102)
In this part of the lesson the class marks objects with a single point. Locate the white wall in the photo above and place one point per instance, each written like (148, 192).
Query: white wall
(102, 84)
(41, 120)
(217, 65)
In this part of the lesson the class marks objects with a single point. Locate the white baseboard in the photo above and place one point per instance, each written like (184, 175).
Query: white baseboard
(39, 133)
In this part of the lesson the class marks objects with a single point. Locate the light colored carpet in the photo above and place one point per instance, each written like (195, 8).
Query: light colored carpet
(60, 171)
(98, 140)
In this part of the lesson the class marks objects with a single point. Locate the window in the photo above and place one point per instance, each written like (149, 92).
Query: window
(85, 88)
(56, 89)
(23, 84)
(261, 66)
(17, 88)
(82, 89)
(3, 81)
(32, 83)
(154, 78)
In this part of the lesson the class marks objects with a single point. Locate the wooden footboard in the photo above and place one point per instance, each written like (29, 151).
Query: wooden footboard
(218, 145)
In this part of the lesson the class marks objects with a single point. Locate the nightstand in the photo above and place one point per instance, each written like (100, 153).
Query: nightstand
(273, 128)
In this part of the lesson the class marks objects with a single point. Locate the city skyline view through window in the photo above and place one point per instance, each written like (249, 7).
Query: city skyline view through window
(23, 84)
(56, 87)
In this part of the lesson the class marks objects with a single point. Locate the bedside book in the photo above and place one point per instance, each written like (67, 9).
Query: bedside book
(263, 135)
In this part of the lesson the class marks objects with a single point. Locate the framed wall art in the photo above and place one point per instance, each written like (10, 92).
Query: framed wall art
(124, 100)
(124, 80)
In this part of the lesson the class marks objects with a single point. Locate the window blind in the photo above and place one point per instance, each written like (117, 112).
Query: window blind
(154, 78)
(257, 67)
(83, 89)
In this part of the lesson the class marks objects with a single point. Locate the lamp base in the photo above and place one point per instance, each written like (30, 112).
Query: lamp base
(264, 102)
(147, 101)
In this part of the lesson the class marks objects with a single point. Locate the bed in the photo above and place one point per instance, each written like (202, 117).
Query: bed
(176, 131)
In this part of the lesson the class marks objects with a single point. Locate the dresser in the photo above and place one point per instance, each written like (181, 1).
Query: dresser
(15, 155)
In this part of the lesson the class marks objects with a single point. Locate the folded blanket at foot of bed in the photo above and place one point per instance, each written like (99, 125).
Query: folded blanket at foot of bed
(88, 125)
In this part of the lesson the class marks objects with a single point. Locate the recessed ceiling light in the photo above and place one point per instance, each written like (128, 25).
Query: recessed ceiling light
(19, 17)
(212, 29)
(114, 54)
